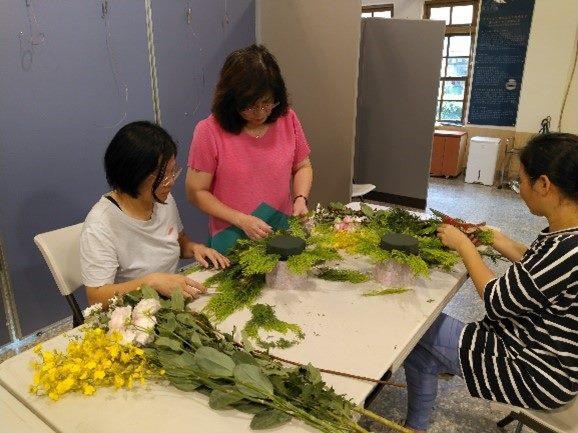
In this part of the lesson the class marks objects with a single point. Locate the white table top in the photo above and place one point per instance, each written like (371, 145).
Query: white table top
(345, 331)
(17, 418)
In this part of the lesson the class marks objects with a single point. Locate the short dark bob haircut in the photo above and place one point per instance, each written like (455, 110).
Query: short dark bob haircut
(554, 155)
(247, 75)
(135, 152)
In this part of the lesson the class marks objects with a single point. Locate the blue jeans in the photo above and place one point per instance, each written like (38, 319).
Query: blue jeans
(436, 353)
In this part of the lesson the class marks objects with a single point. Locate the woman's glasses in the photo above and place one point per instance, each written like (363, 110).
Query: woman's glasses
(171, 178)
(260, 108)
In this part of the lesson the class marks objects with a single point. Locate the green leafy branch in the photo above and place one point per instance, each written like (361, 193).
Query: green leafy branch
(263, 317)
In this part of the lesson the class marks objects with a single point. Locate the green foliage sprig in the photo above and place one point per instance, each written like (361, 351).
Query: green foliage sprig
(241, 284)
(308, 259)
(263, 318)
(335, 274)
(388, 291)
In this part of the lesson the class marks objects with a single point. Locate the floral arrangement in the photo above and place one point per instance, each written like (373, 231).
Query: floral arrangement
(328, 231)
(142, 337)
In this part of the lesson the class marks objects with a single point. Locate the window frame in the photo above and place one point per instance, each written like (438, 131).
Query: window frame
(456, 30)
(384, 7)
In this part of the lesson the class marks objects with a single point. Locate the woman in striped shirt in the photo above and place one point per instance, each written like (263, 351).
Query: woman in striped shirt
(525, 351)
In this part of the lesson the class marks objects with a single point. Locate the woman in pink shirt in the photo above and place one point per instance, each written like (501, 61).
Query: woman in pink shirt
(250, 150)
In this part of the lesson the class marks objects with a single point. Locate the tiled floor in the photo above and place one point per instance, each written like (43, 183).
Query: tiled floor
(456, 411)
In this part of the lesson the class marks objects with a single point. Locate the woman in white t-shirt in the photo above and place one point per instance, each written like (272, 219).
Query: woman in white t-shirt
(133, 236)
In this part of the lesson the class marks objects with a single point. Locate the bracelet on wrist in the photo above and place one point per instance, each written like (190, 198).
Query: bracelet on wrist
(302, 196)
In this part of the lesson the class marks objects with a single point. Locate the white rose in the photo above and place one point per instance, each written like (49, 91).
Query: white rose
(128, 335)
(146, 323)
(144, 326)
(143, 338)
(146, 307)
(120, 318)
(95, 308)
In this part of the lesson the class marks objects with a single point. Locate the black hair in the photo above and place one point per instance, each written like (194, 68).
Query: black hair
(554, 155)
(134, 153)
(247, 75)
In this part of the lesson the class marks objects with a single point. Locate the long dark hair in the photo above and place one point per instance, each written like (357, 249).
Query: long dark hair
(554, 155)
(134, 153)
(247, 75)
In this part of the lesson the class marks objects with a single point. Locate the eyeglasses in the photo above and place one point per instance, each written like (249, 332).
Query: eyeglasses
(170, 179)
(264, 108)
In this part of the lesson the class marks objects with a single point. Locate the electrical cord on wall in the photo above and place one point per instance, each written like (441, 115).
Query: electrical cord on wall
(120, 84)
(568, 87)
(198, 79)
(545, 125)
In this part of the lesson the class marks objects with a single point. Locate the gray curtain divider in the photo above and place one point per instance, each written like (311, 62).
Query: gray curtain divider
(398, 83)
(62, 100)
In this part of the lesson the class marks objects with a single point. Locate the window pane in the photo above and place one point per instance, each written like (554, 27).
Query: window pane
(451, 111)
(454, 90)
(443, 70)
(366, 15)
(446, 42)
(457, 67)
(382, 14)
(438, 110)
(440, 90)
(441, 14)
(460, 45)
(462, 14)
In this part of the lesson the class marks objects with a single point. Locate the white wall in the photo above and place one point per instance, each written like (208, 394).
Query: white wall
(549, 59)
(317, 46)
(548, 66)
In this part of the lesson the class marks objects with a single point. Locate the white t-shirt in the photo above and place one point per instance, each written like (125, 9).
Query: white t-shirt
(115, 247)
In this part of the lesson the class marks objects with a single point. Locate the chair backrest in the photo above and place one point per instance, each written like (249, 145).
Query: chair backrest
(61, 251)
(563, 420)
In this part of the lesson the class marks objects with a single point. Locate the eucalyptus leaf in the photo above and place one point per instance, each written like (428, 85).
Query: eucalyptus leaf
(367, 210)
(168, 342)
(213, 362)
(205, 390)
(195, 339)
(223, 398)
(183, 384)
(269, 419)
(252, 382)
(168, 325)
(186, 319)
(247, 342)
(177, 300)
(135, 296)
(177, 365)
(165, 304)
(148, 292)
(242, 357)
(249, 407)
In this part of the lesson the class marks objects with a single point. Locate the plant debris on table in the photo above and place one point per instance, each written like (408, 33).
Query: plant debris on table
(263, 318)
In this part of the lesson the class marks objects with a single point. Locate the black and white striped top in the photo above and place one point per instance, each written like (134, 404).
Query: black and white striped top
(525, 351)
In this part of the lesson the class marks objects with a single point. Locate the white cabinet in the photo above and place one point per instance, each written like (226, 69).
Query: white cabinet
(482, 160)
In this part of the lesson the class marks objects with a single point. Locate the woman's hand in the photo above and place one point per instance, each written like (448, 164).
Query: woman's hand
(453, 238)
(165, 284)
(204, 255)
(300, 207)
(255, 228)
